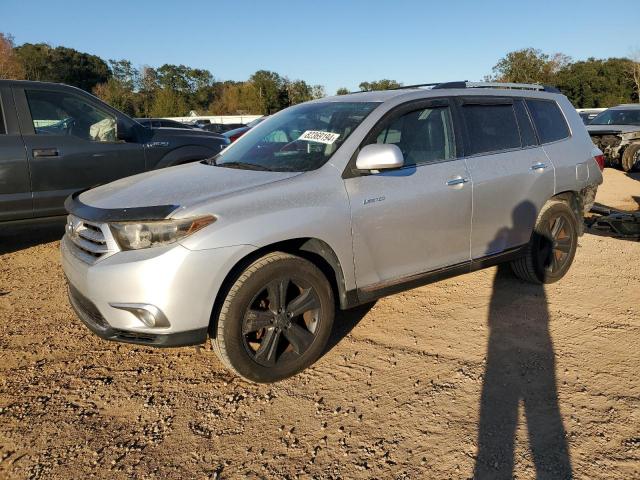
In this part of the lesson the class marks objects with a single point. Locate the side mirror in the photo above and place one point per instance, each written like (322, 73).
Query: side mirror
(379, 157)
(124, 131)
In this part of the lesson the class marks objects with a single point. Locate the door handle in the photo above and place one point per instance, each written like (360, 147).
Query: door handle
(539, 166)
(45, 152)
(457, 182)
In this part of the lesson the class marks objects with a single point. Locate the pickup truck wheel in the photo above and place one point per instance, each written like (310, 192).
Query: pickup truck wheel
(552, 246)
(276, 319)
(631, 158)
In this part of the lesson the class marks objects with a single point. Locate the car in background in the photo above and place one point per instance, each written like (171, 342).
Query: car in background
(236, 133)
(221, 128)
(162, 123)
(588, 114)
(616, 132)
(56, 140)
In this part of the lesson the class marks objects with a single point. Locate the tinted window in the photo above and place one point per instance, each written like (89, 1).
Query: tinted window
(548, 119)
(527, 134)
(3, 129)
(423, 136)
(491, 128)
(58, 113)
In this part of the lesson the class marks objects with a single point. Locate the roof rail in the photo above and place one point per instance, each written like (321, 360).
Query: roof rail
(468, 84)
(503, 85)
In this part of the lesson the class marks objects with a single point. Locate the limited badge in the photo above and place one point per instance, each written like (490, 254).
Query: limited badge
(319, 136)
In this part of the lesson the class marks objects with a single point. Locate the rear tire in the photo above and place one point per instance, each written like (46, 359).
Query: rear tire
(276, 318)
(552, 246)
(631, 158)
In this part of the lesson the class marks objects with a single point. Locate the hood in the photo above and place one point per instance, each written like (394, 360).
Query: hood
(184, 185)
(612, 129)
(168, 133)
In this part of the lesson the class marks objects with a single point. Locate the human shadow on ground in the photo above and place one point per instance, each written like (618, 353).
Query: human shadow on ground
(520, 370)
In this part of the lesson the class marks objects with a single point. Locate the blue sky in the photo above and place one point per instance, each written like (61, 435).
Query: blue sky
(333, 43)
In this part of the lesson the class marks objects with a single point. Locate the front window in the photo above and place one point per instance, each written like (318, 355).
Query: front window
(58, 113)
(299, 139)
(618, 117)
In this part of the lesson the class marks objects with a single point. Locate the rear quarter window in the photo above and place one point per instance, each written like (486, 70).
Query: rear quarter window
(491, 128)
(549, 120)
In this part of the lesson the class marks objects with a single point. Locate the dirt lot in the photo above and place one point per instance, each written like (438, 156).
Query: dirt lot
(473, 376)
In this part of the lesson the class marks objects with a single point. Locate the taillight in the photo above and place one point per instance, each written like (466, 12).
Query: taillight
(600, 161)
(233, 138)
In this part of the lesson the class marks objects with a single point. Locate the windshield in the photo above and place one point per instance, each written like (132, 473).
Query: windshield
(618, 117)
(298, 139)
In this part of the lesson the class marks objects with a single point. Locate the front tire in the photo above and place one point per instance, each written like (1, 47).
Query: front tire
(552, 246)
(276, 318)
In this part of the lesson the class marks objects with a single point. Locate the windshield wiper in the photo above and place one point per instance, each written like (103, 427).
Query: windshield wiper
(244, 165)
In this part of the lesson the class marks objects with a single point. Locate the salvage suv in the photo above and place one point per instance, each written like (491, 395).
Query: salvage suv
(616, 131)
(331, 204)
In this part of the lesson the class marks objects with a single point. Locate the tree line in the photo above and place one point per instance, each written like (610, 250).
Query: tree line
(174, 90)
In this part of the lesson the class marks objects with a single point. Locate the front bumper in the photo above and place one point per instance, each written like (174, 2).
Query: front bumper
(179, 282)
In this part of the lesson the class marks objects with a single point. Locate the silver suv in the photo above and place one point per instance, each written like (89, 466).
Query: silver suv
(331, 204)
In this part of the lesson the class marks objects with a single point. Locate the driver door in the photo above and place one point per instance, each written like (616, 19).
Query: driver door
(71, 145)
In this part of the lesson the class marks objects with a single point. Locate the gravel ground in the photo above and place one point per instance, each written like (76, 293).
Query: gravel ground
(480, 375)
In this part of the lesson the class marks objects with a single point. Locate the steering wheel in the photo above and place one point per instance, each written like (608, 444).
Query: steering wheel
(68, 124)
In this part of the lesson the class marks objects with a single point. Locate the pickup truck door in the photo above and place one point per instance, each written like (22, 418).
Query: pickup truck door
(71, 145)
(15, 191)
(415, 219)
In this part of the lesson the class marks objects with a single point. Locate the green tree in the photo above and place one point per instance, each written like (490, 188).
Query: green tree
(271, 91)
(384, 84)
(342, 91)
(168, 103)
(597, 83)
(529, 65)
(118, 95)
(62, 65)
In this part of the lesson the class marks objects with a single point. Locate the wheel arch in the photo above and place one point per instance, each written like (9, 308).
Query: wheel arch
(314, 250)
(575, 201)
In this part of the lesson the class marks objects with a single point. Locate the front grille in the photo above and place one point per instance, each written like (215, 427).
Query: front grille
(89, 241)
(86, 309)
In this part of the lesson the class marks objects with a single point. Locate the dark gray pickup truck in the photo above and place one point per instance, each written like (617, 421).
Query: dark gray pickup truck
(56, 140)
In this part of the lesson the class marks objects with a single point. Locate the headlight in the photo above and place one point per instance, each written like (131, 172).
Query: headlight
(137, 235)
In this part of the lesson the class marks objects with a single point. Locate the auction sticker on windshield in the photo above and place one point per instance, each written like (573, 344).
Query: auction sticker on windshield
(319, 136)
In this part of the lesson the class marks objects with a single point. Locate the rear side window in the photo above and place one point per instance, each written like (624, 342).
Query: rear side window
(527, 134)
(491, 128)
(548, 119)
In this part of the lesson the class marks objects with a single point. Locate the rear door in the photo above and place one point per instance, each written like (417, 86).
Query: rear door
(15, 189)
(71, 145)
(417, 218)
(512, 176)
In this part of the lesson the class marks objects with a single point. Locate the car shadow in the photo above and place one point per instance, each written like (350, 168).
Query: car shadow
(18, 237)
(520, 373)
(344, 322)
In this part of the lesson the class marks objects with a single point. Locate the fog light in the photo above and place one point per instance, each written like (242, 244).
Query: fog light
(150, 315)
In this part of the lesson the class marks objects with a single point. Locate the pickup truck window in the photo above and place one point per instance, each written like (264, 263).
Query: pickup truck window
(3, 129)
(58, 113)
